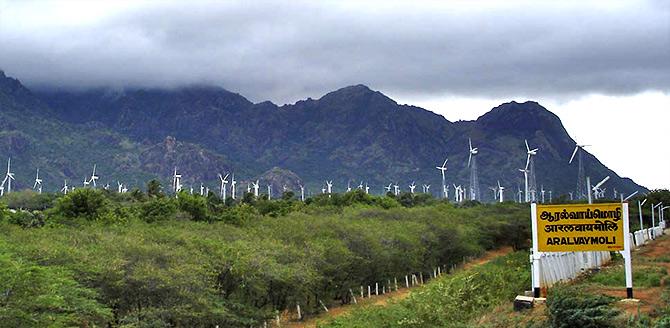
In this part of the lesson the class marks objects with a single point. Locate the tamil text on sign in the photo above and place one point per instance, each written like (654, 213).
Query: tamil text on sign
(567, 228)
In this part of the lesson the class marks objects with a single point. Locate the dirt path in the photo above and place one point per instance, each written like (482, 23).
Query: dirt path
(650, 297)
(385, 299)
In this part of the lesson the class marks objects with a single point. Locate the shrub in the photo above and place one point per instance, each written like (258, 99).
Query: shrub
(193, 205)
(83, 203)
(29, 200)
(158, 209)
(26, 219)
(570, 307)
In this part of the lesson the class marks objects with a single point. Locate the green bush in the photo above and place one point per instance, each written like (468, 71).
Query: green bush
(29, 200)
(84, 203)
(568, 307)
(158, 209)
(193, 205)
(663, 322)
(26, 219)
(38, 296)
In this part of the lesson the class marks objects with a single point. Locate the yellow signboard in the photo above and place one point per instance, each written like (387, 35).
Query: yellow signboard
(577, 228)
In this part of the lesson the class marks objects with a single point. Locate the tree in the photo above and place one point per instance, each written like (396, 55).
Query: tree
(158, 209)
(154, 188)
(83, 203)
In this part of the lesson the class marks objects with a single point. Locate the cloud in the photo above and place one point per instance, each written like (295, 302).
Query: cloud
(287, 50)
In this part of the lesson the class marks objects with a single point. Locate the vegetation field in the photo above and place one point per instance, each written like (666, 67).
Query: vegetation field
(93, 258)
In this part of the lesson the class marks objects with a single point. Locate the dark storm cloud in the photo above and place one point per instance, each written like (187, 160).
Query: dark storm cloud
(284, 51)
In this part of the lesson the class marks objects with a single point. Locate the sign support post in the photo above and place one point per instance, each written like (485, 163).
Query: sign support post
(626, 253)
(579, 228)
(535, 264)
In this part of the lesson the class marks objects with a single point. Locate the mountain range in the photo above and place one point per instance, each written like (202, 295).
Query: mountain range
(349, 135)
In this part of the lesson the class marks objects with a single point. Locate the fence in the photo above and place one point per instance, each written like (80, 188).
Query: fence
(645, 235)
(557, 267)
(564, 266)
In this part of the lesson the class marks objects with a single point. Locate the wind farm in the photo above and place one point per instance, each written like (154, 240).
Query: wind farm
(334, 164)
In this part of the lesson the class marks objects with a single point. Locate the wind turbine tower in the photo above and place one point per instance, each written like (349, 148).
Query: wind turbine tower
(525, 184)
(38, 182)
(530, 167)
(232, 186)
(329, 186)
(443, 170)
(582, 191)
(474, 179)
(93, 176)
(8, 177)
(501, 189)
(224, 182)
(256, 188)
(176, 182)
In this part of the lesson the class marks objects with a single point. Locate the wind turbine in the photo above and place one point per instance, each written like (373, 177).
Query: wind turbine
(530, 166)
(349, 186)
(360, 186)
(94, 177)
(8, 177)
(443, 170)
(520, 194)
(269, 191)
(474, 179)
(329, 186)
(176, 181)
(581, 188)
(501, 189)
(426, 188)
(202, 189)
(256, 188)
(412, 187)
(596, 189)
(495, 192)
(396, 189)
(224, 182)
(388, 188)
(65, 188)
(233, 183)
(542, 192)
(367, 188)
(458, 193)
(119, 187)
(302, 193)
(38, 182)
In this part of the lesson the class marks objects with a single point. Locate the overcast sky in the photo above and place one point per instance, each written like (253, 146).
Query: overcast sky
(595, 64)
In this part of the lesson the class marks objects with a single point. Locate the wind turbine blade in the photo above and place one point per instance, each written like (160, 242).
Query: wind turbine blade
(601, 182)
(573, 154)
(527, 161)
(470, 143)
(445, 162)
(526, 141)
(630, 196)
